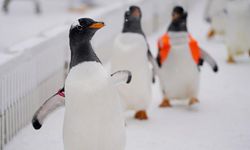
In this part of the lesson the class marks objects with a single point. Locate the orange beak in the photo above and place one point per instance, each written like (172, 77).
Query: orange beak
(97, 25)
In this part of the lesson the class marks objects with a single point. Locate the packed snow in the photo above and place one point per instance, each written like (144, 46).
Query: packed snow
(220, 122)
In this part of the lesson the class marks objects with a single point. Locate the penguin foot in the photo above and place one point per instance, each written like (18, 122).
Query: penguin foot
(230, 60)
(211, 33)
(141, 115)
(193, 101)
(165, 103)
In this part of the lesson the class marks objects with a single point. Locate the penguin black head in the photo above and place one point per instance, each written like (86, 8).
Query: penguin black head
(132, 20)
(179, 20)
(177, 12)
(80, 35)
(134, 12)
(84, 29)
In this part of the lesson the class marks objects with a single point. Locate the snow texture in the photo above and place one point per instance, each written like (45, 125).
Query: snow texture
(220, 122)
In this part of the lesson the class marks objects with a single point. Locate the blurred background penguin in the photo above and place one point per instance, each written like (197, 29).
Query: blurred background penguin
(237, 37)
(131, 51)
(230, 20)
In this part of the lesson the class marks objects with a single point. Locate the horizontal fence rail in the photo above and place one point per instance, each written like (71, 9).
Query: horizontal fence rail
(35, 69)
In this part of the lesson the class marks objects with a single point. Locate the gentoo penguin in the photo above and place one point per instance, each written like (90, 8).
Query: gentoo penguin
(131, 52)
(178, 59)
(58, 99)
(215, 14)
(93, 110)
(237, 36)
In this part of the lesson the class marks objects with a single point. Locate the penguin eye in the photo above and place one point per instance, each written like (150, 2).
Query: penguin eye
(80, 28)
(127, 14)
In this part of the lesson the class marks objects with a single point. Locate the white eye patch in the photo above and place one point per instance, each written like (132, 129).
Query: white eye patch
(74, 24)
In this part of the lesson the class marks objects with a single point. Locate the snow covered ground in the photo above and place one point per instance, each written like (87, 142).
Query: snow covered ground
(220, 122)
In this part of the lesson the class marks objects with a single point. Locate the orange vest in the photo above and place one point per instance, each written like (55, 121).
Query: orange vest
(164, 48)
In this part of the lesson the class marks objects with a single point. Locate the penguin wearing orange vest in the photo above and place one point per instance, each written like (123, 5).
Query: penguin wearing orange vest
(179, 59)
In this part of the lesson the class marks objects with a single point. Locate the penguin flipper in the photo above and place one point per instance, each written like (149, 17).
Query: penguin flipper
(152, 61)
(155, 65)
(49, 106)
(210, 60)
(122, 76)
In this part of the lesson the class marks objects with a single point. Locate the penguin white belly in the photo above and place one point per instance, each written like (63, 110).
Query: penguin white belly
(238, 22)
(93, 112)
(130, 53)
(179, 74)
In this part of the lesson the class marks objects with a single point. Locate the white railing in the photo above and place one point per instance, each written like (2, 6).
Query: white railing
(32, 71)
(30, 77)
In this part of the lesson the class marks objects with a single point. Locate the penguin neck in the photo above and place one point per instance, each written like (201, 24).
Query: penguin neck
(177, 27)
(132, 27)
(82, 52)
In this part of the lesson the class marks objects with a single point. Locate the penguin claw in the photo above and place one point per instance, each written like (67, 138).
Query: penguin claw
(211, 33)
(193, 101)
(141, 115)
(165, 103)
(230, 60)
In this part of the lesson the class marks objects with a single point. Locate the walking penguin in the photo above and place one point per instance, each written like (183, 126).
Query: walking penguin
(131, 52)
(93, 110)
(179, 59)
